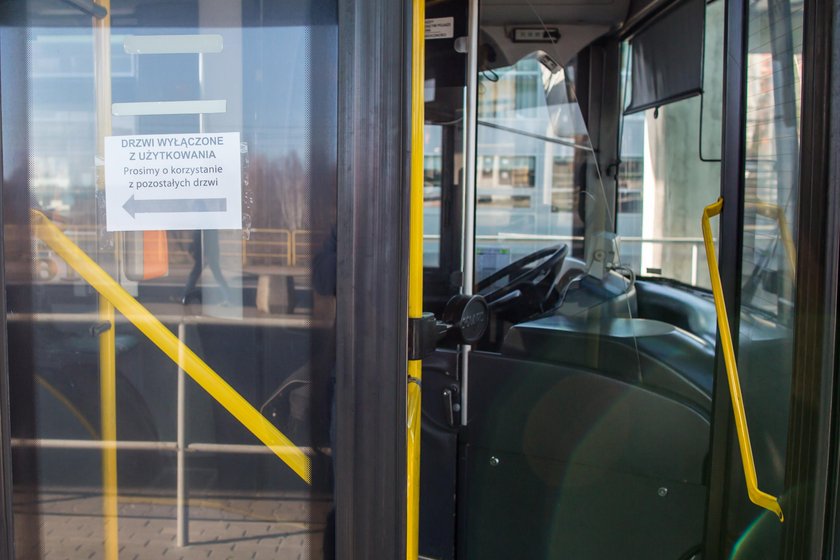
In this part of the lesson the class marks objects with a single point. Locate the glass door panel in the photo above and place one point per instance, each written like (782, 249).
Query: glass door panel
(768, 283)
(169, 198)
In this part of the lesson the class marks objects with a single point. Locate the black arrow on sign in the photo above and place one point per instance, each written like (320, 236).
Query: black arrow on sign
(177, 205)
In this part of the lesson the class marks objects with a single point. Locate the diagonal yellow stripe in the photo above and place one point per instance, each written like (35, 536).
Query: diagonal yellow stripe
(178, 352)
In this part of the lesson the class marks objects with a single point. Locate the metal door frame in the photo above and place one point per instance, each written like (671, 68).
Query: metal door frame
(812, 439)
(6, 527)
(373, 202)
(723, 446)
(7, 544)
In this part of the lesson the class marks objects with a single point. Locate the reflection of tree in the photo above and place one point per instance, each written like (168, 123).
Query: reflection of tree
(280, 189)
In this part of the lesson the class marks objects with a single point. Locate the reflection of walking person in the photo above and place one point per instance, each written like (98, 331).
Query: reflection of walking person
(210, 241)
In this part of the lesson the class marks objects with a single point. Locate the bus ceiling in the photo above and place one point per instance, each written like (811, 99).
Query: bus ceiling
(667, 50)
(513, 30)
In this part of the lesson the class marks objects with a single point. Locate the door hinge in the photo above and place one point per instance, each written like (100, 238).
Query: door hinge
(423, 335)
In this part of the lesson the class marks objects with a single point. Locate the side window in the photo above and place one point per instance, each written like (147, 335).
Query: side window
(670, 170)
(432, 194)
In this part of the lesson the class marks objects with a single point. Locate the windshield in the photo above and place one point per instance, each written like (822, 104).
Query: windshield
(539, 183)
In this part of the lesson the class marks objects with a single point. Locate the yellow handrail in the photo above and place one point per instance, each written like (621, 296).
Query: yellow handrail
(757, 497)
(107, 340)
(177, 351)
(776, 212)
(415, 277)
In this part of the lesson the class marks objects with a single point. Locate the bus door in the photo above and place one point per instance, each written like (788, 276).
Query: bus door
(174, 242)
(597, 410)
(767, 209)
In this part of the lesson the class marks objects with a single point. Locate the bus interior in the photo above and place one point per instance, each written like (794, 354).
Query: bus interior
(589, 399)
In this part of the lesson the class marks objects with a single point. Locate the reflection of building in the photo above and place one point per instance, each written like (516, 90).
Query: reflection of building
(526, 180)
(278, 178)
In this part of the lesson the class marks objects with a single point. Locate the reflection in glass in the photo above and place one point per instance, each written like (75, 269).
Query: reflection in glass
(768, 283)
(191, 477)
(432, 194)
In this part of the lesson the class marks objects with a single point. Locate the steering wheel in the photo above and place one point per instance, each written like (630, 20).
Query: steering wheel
(531, 278)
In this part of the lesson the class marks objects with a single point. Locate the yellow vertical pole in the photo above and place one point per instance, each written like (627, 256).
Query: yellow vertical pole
(108, 416)
(415, 276)
(102, 84)
(107, 338)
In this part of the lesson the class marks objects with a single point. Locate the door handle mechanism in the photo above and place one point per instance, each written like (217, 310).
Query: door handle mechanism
(451, 406)
(758, 497)
(448, 403)
(465, 319)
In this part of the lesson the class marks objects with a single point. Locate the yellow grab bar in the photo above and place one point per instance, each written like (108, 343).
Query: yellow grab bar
(776, 212)
(163, 338)
(415, 277)
(757, 497)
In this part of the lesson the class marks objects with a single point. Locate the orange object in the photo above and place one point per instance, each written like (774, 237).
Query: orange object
(155, 254)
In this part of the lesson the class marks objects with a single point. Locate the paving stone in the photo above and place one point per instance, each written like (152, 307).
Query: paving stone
(257, 527)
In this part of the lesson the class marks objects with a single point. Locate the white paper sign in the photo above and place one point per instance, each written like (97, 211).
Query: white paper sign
(173, 181)
(440, 28)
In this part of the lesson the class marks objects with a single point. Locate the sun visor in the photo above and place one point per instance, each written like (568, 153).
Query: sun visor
(667, 58)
